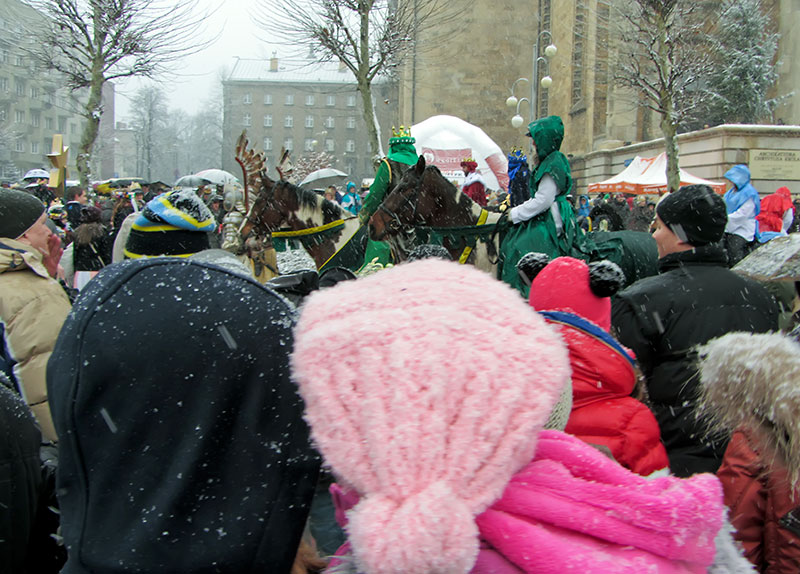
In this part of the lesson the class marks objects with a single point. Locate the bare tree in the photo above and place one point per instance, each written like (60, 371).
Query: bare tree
(369, 37)
(94, 41)
(149, 124)
(662, 57)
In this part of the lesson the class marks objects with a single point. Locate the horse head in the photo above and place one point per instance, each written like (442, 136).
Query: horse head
(401, 208)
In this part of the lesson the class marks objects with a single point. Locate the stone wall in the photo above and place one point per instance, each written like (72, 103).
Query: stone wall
(709, 154)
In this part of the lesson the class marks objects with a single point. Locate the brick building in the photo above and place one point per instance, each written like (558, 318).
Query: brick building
(303, 106)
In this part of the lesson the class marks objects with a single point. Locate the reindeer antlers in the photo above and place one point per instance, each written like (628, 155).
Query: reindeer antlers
(252, 164)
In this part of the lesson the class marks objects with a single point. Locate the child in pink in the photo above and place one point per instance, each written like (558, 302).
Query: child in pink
(440, 458)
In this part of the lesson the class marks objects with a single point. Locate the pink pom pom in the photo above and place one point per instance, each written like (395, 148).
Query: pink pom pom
(432, 532)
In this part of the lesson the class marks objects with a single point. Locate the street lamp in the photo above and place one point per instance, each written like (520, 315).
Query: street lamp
(517, 120)
(545, 82)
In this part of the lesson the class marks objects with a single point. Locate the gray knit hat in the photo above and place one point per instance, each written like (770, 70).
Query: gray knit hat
(18, 212)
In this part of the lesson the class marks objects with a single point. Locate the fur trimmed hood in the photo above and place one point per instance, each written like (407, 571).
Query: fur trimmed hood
(753, 381)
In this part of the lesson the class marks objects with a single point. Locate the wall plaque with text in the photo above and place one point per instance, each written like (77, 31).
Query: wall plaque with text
(775, 164)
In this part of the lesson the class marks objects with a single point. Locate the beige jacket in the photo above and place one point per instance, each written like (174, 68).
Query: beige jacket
(33, 306)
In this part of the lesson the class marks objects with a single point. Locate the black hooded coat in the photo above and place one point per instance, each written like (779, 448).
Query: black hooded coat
(182, 442)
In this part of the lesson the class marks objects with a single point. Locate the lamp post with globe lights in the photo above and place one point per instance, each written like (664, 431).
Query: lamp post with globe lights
(545, 82)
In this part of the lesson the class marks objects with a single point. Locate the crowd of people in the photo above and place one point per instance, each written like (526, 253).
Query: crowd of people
(422, 419)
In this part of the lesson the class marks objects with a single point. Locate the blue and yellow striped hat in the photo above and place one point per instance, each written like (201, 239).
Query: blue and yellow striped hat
(174, 224)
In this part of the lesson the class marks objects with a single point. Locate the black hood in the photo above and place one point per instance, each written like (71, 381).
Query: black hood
(183, 447)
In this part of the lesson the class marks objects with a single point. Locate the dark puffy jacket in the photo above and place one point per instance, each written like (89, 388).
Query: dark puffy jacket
(694, 299)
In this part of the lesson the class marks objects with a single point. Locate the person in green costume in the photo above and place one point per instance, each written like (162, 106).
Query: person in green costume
(401, 150)
(546, 222)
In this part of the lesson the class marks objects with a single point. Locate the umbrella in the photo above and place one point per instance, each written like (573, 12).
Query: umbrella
(191, 181)
(324, 178)
(37, 174)
(217, 176)
(776, 259)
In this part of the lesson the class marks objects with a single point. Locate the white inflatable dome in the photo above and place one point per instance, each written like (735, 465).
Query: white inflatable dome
(445, 141)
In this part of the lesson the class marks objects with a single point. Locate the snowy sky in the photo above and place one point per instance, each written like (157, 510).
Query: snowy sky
(198, 75)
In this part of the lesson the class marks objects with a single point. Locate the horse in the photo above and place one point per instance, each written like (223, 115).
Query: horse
(426, 208)
(425, 201)
(331, 235)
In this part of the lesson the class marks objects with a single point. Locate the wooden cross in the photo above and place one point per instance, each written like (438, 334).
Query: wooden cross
(58, 159)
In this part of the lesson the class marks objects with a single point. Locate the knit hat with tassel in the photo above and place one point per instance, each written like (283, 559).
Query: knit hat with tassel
(424, 417)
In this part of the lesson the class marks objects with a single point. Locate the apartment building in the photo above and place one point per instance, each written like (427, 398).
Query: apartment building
(305, 107)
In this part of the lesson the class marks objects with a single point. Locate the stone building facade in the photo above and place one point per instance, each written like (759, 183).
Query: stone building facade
(469, 74)
(305, 107)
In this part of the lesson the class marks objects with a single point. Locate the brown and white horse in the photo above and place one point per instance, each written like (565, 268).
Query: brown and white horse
(425, 201)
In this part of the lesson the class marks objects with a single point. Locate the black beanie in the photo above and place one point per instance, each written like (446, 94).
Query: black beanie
(695, 214)
(18, 212)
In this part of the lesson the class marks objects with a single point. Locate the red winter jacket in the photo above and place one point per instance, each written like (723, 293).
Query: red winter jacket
(760, 502)
(603, 412)
(773, 207)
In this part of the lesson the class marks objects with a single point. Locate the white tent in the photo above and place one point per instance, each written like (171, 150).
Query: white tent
(445, 141)
(648, 175)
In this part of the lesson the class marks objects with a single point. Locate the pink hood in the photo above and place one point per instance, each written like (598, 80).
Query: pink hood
(572, 509)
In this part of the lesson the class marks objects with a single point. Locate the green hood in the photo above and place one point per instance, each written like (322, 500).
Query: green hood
(547, 134)
(403, 152)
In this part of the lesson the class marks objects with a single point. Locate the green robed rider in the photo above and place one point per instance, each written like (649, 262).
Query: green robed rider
(401, 150)
(546, 222)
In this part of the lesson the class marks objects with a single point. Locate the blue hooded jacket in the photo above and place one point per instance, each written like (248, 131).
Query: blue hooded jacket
(744, 190)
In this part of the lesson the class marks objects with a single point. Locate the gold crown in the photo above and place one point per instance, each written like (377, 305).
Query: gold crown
(468, 159)
(405, 132)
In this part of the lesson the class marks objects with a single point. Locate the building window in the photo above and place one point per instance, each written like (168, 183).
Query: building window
(267, 144)
(4, 84)
(309, 121)
(289, 100)
(4, 56)
(20, 89)
(247, 99)
(19, 60)
(3, 115)
(288, 121)
(578, 42)
(308, 145)
(351, 123)
(288, 144)
(62, 125)
(19, 117)
(351, 101)
(351, 145)
(310, 100)
(34, 93)
(329, 122)
(330, 101)
(330, 145)
(20, 146)
(246, 120)
(48, 123)
(35, 120)
(268, 121)
(34, 147)
(267, 99)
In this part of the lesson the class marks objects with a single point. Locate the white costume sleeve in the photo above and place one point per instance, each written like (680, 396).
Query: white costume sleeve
(545, 196)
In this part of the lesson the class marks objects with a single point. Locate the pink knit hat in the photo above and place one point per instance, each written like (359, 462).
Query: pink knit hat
(431, 410)
(568, 284)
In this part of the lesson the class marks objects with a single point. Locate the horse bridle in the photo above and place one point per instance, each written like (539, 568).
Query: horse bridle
(395, 223)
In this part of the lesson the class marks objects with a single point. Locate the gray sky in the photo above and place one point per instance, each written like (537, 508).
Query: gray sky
(198, 76)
